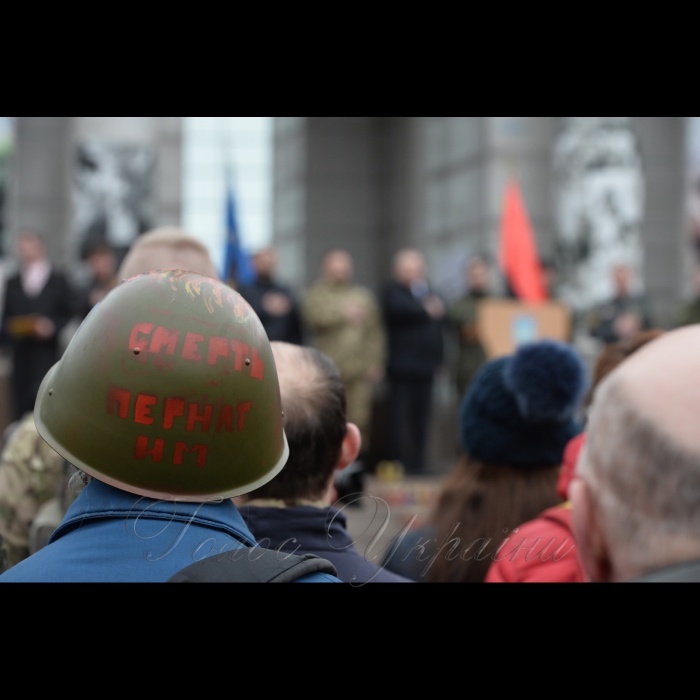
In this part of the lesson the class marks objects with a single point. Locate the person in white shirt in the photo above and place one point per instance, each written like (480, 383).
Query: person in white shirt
(37, 308)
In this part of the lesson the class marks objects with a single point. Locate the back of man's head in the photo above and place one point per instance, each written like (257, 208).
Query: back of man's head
(637, 508)
(167, 249)
(315, 410)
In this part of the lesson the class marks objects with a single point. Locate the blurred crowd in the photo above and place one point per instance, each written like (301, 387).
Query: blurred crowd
(563, 477)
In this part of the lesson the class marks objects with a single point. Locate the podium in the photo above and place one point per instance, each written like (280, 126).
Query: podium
(505, 325)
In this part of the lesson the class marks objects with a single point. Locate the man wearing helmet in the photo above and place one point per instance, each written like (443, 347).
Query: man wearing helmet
(168, 400)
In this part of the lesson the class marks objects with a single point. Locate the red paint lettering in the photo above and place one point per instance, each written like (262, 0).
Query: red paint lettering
(243, 409)
(142, 451)
(241, 350)
(218, 347)
(191, 349)
(225, 420)
(258, 369)
(122, 399)
(201, 450)
(144, 404)
(193, 418)
(163, 338)
(140, 329)
(174, 408)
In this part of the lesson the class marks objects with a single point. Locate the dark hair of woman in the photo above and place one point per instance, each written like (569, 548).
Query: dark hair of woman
(480, 507)
(614, 355)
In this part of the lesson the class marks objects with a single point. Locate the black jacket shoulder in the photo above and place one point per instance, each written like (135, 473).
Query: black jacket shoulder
(416, 340)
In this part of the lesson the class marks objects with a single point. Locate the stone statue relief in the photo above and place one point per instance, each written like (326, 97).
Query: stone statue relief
(599, 195)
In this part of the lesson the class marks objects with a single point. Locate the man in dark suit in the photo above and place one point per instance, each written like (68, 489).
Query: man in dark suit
(415, 321)
(274, 304)
(37, 308)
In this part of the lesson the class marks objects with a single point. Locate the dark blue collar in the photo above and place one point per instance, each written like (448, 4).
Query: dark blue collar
(101, 502)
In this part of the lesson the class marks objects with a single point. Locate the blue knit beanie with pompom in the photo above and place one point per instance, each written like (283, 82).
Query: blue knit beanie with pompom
(520, 411)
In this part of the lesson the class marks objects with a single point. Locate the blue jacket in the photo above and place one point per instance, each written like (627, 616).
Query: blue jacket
(110, 536)
(316, 531)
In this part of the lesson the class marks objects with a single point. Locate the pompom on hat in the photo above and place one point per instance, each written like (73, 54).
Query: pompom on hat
(520, 411)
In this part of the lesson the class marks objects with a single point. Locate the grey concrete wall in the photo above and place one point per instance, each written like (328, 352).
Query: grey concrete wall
(290, 190)
(667, 249)
(168, 188)
(40, 192)
(342, 205)
(453, 183)
(376, 184)
(402, 185)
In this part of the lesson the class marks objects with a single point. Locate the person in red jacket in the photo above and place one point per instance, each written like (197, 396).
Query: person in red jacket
(544, 550)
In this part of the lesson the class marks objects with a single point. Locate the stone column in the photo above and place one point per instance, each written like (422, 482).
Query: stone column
(169, 171)
(290, 197)
(342, 205)
(40, 190)
(664, 229)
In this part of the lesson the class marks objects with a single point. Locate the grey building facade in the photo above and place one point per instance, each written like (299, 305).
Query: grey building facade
(47, 165)
(598, 190)
(376, 184)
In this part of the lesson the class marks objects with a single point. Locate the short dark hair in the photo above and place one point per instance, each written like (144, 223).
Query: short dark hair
(99, 249)
(315, 409)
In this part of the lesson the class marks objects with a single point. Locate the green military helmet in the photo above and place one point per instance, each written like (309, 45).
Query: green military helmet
(169, 390)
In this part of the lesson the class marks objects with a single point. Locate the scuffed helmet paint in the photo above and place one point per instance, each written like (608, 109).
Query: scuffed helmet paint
(168, 391)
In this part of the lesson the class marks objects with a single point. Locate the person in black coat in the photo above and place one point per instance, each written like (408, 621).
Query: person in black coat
(275, 305)
(415, 319)
(37, 308)
(102, 263)
(293, 514)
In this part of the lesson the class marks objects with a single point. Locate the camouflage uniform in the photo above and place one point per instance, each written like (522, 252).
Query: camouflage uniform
(472, 356)
(355, 349)
(4, 557)
(31, 475)
(689, 314)
(602, 320)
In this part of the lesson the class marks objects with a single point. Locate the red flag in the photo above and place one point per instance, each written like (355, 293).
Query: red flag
(520, 260)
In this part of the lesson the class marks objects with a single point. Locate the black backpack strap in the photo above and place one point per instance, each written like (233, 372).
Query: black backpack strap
(254, 566)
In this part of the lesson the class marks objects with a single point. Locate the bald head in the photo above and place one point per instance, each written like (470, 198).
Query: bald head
(640, 489)
(662, 383)
(303, 374)
(315, 421)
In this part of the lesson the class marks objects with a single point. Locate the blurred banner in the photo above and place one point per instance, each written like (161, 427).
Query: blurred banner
(504, 326)
(113, 193)
(6, 145)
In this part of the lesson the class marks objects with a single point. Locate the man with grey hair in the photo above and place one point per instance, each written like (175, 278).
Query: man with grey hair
(415, 318)
(637, 498)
